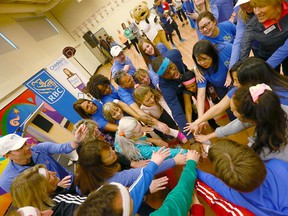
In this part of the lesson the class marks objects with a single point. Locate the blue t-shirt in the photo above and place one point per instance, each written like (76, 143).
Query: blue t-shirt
(41, 154)
(98, 116)
(231, 92)
(117, 66)
(226, 34)
(126, 95)
(110, 97)
(218, 78)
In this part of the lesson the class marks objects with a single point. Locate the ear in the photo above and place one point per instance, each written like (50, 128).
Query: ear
(47, 213)
(6, 156)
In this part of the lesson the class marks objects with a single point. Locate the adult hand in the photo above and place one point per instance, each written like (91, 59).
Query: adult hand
(139, 164)
(180, 159)
(201, 138)
(147, 129)
(158, 184)
(193, 15)
(163, 127)
(200, 127)
(65, 182)
(146, 119)
(190, 127)
(228, 80)
(126, 68)
(199, 76)
(193, 155)
(158, 142)
(80, 135)
(159, 156)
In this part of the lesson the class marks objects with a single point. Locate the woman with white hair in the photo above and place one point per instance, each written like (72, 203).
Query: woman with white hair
(131, 141)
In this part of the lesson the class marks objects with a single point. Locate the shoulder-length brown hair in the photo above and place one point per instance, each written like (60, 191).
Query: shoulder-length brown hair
(146, 57)
(31, 189)
(91, 171)
(77, 107)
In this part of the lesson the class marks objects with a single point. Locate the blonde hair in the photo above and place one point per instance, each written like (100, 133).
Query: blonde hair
(263, 3)
(30, 188)
(127, 147)
(106, 111)
(277, 5)
(91, 125)
(243, 14)
(141, 91)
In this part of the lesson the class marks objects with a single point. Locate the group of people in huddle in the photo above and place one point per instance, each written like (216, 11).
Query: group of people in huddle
(152, 118)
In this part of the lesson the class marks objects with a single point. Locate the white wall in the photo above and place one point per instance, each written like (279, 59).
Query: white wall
(19, 65)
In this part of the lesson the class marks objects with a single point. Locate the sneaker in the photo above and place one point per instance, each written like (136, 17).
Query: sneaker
(182, 40)
(183, 24)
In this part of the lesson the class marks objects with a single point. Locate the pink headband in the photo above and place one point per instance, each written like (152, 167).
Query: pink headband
(256, 91)
(188, 82)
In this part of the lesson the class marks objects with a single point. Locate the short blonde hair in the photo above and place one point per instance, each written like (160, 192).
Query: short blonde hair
(263, 3)
(106, 111)
(30, 188)
(91, 125)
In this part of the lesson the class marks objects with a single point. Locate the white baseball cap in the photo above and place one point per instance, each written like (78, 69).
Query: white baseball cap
(115, 51)
(11, 142)
(240, 2)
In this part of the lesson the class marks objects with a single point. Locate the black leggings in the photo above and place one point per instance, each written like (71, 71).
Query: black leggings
(178, 34)
(135, 42)
(127, 44)
(180, 13)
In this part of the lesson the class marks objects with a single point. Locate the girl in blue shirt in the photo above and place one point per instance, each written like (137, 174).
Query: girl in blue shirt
(88, 109)
(215, 33)
(213, 63)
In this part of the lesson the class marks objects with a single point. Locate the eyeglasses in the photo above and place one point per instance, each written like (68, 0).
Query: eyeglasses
(206, 25)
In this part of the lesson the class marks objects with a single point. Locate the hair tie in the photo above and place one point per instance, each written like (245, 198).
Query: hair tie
(136, 85)
(121, 133)
(188, 82)
(256, 91)
(163, 66)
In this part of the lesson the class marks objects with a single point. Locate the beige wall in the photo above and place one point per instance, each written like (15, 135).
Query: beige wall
(19, 65)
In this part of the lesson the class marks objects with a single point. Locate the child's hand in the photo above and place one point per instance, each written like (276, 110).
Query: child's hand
(158, 142)
(193, 155)
(180, 159)
(158, 184)
(65, 182)
(159, 156)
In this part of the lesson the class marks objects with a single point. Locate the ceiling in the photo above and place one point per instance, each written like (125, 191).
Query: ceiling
(34, 7)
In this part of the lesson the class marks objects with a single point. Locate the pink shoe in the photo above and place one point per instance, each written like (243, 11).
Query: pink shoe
(182, 137)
